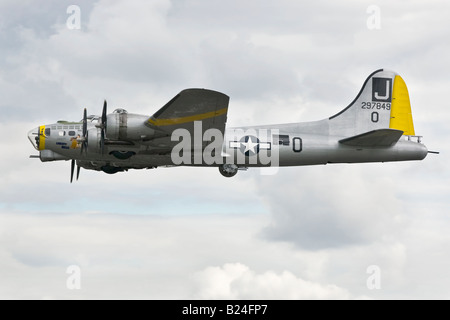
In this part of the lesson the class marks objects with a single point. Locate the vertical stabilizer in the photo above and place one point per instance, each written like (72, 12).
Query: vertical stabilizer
(382, 103)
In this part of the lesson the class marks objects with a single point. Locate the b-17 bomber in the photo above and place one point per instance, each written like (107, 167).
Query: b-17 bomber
(190, 130)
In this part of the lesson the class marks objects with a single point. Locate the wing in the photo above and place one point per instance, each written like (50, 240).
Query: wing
(195, 110)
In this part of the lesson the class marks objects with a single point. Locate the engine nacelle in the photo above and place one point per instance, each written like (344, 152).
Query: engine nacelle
(94, 137)
(125, 126)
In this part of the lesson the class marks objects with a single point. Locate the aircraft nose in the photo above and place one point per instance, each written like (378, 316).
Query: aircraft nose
(37, 137)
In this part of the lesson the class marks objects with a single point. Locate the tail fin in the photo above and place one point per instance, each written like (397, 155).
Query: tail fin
(382, 103)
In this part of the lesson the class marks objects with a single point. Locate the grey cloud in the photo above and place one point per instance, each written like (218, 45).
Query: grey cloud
(332, 207)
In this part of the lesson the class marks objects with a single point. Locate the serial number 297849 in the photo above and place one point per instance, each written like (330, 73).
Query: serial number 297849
(375, 105)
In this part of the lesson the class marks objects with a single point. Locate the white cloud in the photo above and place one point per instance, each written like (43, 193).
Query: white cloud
(237, 281)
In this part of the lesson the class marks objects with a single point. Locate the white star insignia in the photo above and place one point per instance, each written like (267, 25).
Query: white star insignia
(250, 145)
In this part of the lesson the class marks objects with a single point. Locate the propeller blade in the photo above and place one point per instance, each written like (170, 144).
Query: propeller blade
(85, 132)
(84, 122)
(78, 172)
(103, 127)
(85, 142)
(104, 115)
(72, 167)
(102, 141)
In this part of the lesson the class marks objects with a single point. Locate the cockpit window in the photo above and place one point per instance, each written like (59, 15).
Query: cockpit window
(120, 110)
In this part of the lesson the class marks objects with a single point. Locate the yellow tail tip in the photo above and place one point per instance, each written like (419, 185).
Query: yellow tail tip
(401, 114)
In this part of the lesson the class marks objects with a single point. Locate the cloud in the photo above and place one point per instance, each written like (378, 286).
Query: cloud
(119, 255)
(122, 256)
(333, 206)
(238, 281)
(205, 256)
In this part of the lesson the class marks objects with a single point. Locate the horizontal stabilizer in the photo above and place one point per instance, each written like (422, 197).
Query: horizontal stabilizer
(375, 138)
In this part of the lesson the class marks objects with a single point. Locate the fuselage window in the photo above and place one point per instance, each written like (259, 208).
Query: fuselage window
(72, 133)
(47, 132)
(61, 133)
(281, 139)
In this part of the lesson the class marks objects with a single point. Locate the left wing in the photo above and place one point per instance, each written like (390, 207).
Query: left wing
(195, 110)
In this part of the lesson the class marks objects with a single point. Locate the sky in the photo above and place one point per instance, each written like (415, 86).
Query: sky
(360, 231)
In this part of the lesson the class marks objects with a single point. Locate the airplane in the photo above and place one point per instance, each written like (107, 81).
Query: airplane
(190, 130)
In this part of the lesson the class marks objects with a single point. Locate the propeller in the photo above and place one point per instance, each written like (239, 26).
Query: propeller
(72, 169)
(84, 138)
(103, 126)
(78, 172)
